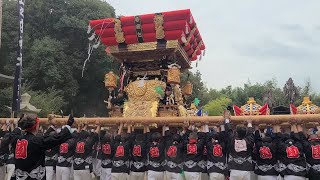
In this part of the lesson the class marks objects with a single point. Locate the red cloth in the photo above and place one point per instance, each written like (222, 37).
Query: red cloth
(264, 110)
(293, 109)
(237, 111)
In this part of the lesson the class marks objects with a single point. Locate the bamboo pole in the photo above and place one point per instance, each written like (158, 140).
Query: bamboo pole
(268, 119)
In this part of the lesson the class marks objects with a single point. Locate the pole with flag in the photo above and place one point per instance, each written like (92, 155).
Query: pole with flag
(17, 77)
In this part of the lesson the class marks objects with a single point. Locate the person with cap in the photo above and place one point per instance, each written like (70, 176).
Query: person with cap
(30, 149)
(266, 153)
(83, 153)
(240, 148)
(139, 160)
(216, 154)
(292, 161)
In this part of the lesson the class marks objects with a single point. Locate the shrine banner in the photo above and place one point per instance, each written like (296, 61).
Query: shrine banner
(17, 77)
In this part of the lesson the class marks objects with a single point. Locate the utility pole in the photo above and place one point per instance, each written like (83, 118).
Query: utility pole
(0, 20)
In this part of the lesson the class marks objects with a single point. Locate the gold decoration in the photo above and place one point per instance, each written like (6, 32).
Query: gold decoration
(172, 44)
(158, 22)
(150, 73)
(174, 74)
(118, 31)
(187, 89)
(145, 93)
(110, 80)
(307, 107)
(251, 108)
(140, 109)
(178, 95)
(182, 111)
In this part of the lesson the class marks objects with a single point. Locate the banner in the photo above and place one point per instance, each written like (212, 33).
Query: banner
(17, 77)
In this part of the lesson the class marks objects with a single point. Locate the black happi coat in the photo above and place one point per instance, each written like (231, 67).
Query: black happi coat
(311, 149)
(241, 160)
(291, 157)
(66, 152)
(173, 156)
(121, 155)
(30, 152)
(83, 152)
(51, 154)
(193, 153)
(216, 154)
(139, 156)
(105, 153)
(266, 156)
(156, 155)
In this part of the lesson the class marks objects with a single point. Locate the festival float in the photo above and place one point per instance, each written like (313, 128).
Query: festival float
(153, 50)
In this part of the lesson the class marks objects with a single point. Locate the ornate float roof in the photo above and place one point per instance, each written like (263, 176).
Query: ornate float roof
(251, 108)
(151, 37)
(306, 107)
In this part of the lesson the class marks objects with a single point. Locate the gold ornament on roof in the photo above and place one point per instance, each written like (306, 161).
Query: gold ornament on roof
(307, 107)
(158, 25)
(118, 31)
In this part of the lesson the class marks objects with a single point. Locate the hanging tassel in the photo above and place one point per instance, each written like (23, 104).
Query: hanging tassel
(200, 57)
(196, 64)
(89, 29)
(183, 38)
(204, 52)
(96, 45)
(92, 37)
(89, 49)
(187, 28)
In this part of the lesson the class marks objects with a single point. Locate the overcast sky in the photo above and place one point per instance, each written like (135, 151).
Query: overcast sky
(249, 39)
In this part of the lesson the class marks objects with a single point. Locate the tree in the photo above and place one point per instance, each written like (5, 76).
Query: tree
(217, 106)
(290, 91)
(55, 47)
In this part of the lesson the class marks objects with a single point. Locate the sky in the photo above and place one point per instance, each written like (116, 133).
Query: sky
(249, 40)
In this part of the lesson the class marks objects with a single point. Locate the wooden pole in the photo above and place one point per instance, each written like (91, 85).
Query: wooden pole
(268, 119)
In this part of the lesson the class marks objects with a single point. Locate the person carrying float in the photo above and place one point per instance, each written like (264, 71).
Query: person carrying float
(139, 160)
(240, 148)
(106, 155)
(292, 161)
(266, 154)
(216, 154)
(156, 149)
(30, 149)
(193, 154)
(83, 153)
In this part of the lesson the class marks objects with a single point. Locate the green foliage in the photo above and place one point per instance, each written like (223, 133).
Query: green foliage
(49, 102)
(216, 107)
(55, 47)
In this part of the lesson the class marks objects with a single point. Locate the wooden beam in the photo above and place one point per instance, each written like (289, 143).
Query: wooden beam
(269, 119)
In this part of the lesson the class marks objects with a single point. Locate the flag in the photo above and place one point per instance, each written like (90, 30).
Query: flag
(237, 111)
(293, 109)
(17, 77)
(264, 110)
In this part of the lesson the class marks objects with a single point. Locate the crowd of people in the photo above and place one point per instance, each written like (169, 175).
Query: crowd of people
(190, 152)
